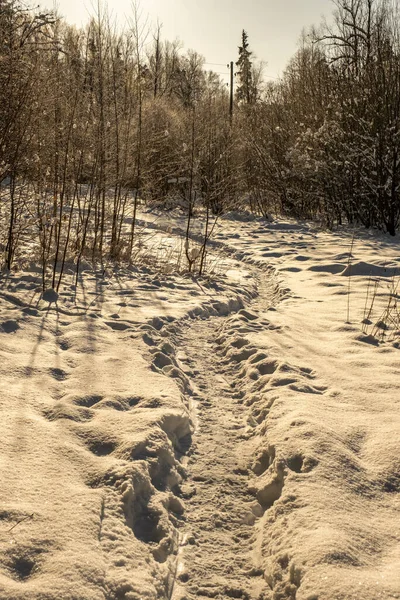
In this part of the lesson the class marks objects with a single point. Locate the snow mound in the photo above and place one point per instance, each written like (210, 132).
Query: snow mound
(366, 269)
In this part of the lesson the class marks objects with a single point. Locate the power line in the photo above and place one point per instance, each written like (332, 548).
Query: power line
(216, 64)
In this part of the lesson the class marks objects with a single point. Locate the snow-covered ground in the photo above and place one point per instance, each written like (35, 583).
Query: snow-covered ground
(231, 437)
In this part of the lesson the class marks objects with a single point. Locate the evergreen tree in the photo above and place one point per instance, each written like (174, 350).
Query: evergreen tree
(246, 92)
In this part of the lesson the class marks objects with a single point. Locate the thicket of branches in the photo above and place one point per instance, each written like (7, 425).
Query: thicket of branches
(324, 142)
(94, 121)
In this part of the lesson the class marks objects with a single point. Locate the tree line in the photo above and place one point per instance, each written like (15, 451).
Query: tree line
(324, 142)
(94, 121)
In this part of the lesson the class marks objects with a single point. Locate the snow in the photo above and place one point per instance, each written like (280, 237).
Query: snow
(236, 436)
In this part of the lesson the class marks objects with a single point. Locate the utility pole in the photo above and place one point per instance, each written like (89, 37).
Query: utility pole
(231, 92)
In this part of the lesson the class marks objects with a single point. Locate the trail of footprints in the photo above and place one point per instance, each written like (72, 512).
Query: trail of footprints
(147, 484)
(255, 380)
(257, 373)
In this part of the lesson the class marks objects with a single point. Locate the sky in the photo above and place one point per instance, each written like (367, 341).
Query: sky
(213, 27)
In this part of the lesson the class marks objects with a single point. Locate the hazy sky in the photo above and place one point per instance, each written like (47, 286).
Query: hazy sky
(213, 27)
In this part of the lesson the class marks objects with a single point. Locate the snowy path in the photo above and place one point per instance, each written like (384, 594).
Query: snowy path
(220, 511)
(220, 554)
(231, 438)
(282, 418)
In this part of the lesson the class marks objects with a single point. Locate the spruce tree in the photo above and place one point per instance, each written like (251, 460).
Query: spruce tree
(245, 92)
